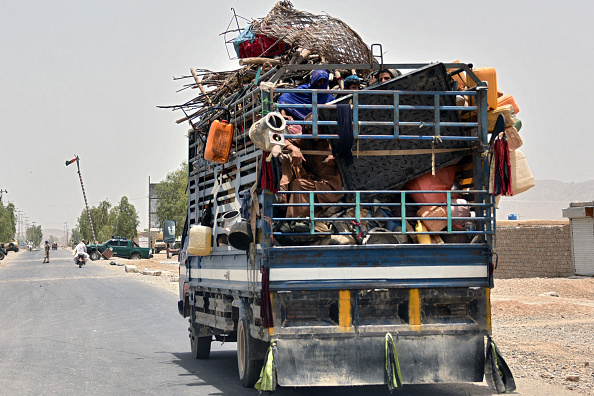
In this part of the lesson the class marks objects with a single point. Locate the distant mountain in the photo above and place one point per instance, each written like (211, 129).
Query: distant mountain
(546, 200)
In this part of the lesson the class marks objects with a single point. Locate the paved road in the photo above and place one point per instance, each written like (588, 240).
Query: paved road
(66, 330)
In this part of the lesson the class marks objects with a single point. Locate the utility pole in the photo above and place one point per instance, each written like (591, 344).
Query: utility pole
(66, 232)
(19, 224)
(26, 224)
(150, 241)
(75, 159)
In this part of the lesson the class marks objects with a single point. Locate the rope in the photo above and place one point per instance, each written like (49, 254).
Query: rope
(357, 233)
(435, 139)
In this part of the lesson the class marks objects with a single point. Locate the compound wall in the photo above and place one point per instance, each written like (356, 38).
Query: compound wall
(533, 248)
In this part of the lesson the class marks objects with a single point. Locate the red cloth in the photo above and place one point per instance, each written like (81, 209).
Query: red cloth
(503, 184)
(268, 180)
(262, 46)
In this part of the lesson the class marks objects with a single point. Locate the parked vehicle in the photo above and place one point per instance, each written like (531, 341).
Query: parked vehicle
(119, 247)
(2, 253)
(54, 246)
(159, 245)
(12, 246)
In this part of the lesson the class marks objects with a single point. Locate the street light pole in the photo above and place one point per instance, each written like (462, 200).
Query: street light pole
(75, 159)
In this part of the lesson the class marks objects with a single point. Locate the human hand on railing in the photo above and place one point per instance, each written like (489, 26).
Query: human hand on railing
(296, 156)
(287, 116)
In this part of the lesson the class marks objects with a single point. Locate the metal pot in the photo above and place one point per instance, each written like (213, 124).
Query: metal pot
(241, 236)
(229, 219)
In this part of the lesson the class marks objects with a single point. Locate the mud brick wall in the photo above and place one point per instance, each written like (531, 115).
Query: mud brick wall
(529, 250)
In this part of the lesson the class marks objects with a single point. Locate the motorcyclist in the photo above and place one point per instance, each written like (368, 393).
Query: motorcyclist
(81, 250)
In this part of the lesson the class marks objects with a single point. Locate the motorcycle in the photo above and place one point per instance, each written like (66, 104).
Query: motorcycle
(2, 253)
(80, 260)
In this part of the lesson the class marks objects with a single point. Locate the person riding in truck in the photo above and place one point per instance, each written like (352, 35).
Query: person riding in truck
(308, 173)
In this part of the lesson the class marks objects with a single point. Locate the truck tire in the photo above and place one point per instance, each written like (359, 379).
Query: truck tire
(95, 255)
(249, 363)
(135, 256)
(200, 345)
(1, 255)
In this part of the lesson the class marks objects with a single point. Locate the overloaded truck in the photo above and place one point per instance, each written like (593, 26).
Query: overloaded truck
(389, 280)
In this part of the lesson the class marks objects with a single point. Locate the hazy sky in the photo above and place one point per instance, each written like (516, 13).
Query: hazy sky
(85, 78)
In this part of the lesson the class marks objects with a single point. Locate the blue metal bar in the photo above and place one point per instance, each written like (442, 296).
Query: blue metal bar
(376, 107)
(403, 211)
(355, 115)
(311, 213)
(314, 112)
(436, 113)
(375, 192)
(358, 207)
(377, 92)
(386, 137)
(396, 115)
(449, 211)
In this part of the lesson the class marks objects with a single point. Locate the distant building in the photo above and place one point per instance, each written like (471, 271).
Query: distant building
(580, 215)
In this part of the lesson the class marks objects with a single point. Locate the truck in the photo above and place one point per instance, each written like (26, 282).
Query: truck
(13, 245)
(120, 247)
(159, 244)
(295, 296)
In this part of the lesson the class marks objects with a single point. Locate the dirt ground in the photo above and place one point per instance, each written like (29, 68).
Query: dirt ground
(544, 327)
(169, 268)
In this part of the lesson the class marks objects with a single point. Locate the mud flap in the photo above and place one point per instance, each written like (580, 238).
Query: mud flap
(351, 361)
(393, 375)
(497, 373)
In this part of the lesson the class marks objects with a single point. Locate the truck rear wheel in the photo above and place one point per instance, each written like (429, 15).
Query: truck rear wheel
(200, 345)
(95, 255)
(249, 363)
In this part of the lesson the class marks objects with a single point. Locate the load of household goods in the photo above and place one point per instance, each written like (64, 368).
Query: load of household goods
(241, 110)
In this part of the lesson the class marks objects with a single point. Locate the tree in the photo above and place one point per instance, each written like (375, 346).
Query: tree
(75, 238)
(172, 197)
(7, 222)
(119, 220)
(34, 234)
(126, 219)
(102, 223)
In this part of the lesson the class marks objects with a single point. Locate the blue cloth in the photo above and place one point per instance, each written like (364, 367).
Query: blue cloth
(306, 97)
(351, 79)
(343, 148)
(245, 35)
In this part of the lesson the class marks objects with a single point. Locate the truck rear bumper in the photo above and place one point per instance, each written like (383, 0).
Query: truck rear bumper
(361, 360)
